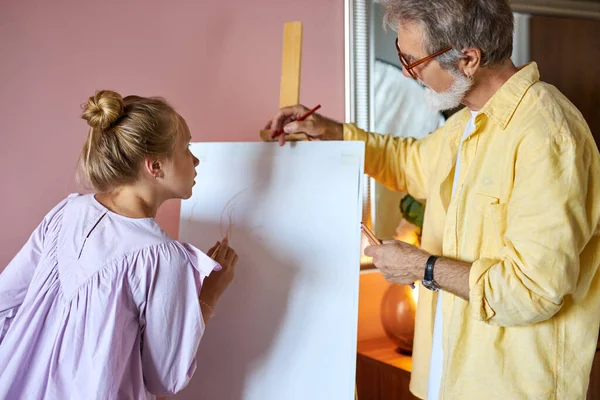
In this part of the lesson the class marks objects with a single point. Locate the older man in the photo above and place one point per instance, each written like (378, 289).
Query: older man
(511, 244)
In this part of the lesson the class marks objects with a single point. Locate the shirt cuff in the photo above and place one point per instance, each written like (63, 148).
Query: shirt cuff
(353, 132)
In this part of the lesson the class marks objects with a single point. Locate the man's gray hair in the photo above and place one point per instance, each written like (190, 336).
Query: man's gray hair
(484, 24)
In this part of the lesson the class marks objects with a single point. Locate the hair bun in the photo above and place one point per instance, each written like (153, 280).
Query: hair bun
(103, 109)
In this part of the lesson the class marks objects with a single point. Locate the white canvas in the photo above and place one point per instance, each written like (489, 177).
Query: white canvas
(286, 327)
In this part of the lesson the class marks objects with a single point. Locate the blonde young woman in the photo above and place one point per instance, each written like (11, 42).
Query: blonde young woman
(101, 303)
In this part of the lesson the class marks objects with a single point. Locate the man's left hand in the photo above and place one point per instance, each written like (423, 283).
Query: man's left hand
(398, 262)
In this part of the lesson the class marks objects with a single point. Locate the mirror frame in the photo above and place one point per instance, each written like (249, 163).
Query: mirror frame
(358, 91)
(558, 8)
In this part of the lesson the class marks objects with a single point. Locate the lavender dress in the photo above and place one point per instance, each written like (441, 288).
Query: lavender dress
(99, 306)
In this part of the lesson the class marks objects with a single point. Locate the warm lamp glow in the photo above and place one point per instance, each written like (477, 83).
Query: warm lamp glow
(408, 233)
(415, 292)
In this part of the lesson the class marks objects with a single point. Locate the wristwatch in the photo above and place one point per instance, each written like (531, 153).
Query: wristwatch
(428, 280)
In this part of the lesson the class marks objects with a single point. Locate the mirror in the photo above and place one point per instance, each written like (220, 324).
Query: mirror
(557, 34)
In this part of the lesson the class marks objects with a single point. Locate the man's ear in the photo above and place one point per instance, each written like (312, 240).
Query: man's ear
(153, 167)
(471, 61)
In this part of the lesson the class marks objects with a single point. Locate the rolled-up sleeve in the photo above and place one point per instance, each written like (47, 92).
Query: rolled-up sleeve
(547, 227)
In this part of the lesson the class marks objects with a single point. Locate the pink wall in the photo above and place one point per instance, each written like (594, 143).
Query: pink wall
(218, 63)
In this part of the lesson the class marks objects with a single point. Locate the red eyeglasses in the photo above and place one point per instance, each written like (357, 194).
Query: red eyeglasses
(409, 66)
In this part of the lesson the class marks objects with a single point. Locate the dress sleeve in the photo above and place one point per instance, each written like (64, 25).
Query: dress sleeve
(171, 319)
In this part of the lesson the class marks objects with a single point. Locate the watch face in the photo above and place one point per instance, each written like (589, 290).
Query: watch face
(431, 285)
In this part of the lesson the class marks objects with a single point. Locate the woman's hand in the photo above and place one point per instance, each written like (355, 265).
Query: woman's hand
(215, 284)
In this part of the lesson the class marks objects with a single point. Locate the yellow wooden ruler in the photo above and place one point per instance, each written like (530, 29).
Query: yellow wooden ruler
(291, 60)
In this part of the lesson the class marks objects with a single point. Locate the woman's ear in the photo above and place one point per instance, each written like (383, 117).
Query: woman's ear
(153, 167)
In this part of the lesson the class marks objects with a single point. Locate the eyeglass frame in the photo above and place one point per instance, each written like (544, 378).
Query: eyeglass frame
(409, 66)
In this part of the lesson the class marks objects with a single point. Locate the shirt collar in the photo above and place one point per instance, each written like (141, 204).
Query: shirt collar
(502, 105)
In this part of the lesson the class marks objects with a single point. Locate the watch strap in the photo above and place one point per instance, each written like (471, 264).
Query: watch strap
(428, 275)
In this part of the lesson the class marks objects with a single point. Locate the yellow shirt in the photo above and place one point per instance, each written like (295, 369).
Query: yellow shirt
(526, 213)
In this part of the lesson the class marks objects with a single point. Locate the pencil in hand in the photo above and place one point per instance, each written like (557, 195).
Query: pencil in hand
(374, 240)
(302, 118)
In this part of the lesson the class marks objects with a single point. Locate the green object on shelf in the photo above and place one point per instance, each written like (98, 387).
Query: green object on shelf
(412, 210)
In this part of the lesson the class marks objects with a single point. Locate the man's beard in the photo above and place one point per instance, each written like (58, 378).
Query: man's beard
(452, 97)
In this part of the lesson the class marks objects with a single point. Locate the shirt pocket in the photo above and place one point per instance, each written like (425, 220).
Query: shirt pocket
(493, 225)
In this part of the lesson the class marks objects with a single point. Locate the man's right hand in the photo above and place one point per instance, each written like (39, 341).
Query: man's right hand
(316, 126)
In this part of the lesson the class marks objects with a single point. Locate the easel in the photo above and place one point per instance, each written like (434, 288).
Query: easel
(289, 90)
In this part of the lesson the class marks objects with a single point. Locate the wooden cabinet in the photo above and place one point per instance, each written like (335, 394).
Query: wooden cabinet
(594, 388)
(381, 373)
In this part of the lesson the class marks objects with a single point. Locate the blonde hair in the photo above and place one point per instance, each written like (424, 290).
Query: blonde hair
(123, 132)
